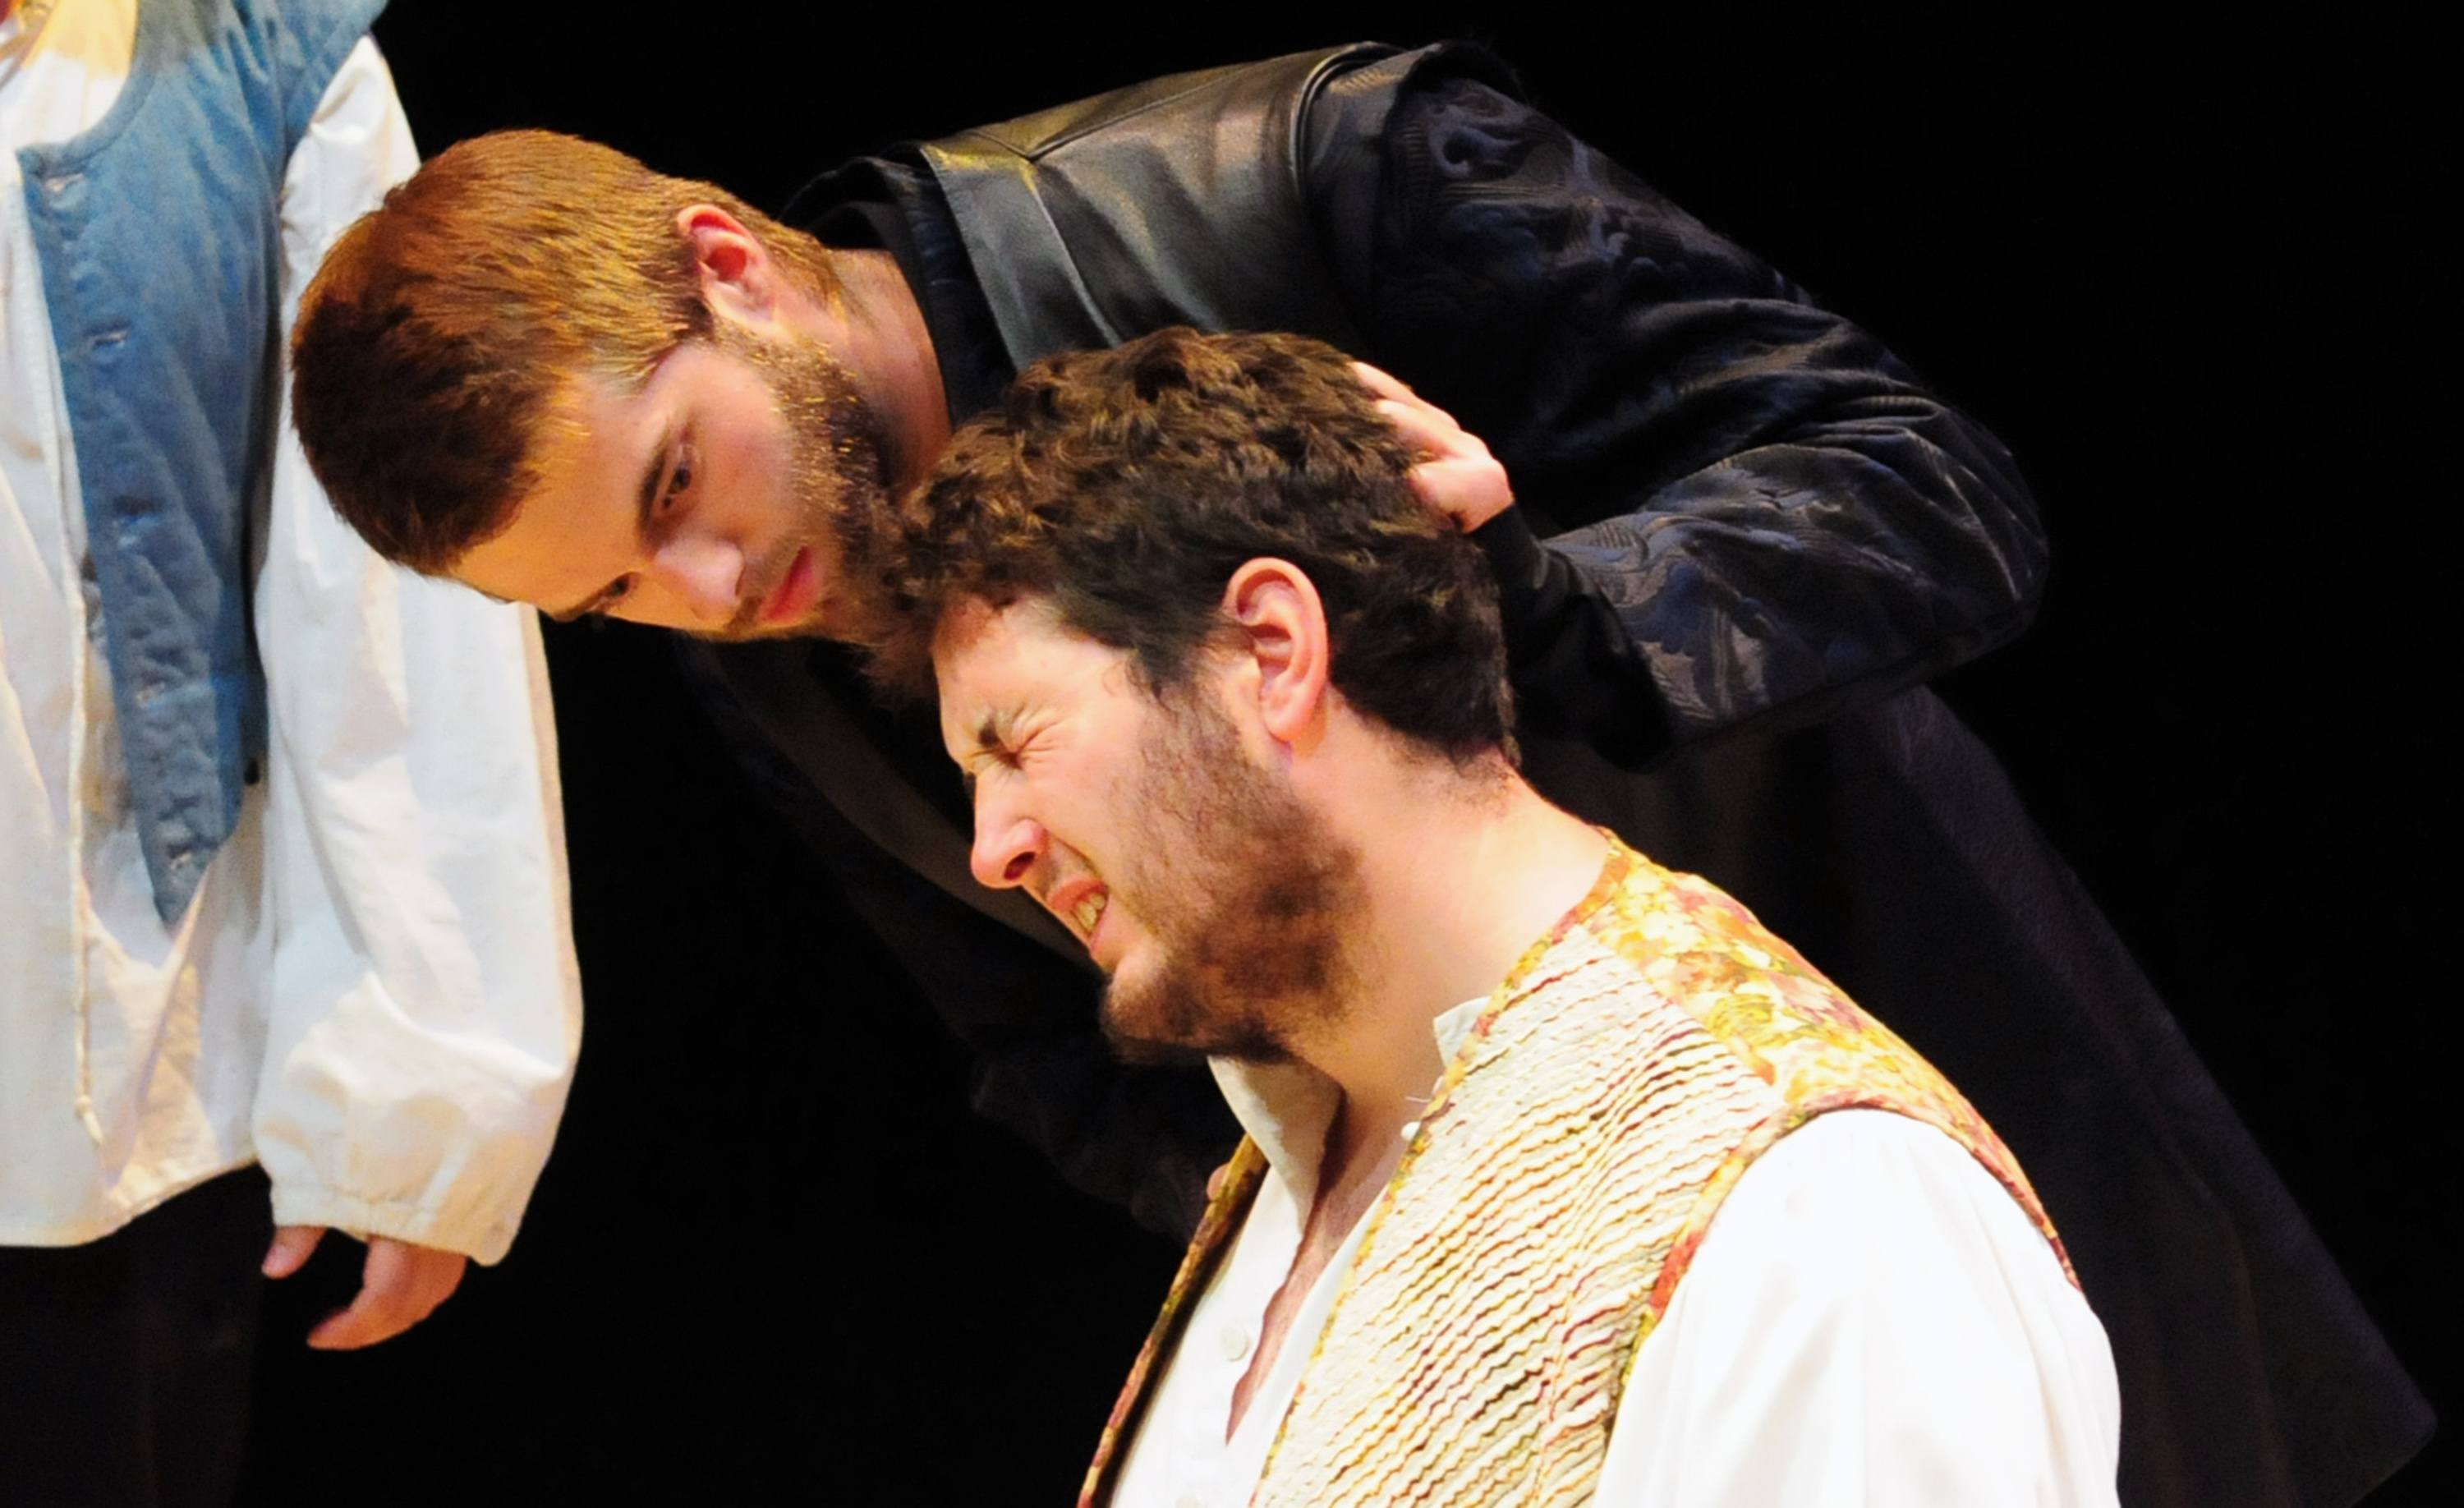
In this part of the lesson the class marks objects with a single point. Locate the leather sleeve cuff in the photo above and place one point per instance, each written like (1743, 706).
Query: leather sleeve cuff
(1517, 558)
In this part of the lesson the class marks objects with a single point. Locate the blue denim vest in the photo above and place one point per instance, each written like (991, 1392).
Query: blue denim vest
(158, 232)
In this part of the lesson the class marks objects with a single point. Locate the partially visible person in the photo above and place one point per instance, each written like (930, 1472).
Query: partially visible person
(285, 928)
(1564, 1181)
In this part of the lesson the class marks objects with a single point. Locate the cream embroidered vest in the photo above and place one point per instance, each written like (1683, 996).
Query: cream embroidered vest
(1634, 1064)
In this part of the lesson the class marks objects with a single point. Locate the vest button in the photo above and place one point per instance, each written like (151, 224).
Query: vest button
(1233, 1342)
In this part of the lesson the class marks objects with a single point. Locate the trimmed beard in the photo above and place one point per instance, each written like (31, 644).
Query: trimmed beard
(838, 477)
(1246, 898)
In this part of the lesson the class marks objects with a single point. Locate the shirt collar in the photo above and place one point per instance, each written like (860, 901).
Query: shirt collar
(896, 205)
(1288, 1107)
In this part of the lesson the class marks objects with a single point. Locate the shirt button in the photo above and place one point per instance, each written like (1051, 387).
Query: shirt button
(1233, 1342)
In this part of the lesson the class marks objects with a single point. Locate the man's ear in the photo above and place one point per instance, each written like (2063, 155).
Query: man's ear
(738, 277)
(1284, 639)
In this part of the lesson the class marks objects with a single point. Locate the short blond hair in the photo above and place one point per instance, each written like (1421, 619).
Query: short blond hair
(433, 343)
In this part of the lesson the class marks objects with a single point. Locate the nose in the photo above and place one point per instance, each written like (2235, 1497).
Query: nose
(1007, 847)
(703, 573)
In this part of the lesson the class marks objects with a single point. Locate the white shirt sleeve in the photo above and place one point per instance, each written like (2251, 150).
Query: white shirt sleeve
(425, 1004)
(1871, 1319)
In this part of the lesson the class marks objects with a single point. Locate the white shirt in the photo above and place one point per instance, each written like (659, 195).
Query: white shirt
(1870, 1319)
(373, 991)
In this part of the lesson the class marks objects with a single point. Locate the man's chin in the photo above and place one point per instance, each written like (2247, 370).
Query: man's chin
(1139, 1053)
(815, 625)
(1138, 1040)
(1150, 1033)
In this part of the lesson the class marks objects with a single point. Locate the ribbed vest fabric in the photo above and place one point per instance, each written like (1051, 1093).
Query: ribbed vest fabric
(1633, 1065)
(157, 233)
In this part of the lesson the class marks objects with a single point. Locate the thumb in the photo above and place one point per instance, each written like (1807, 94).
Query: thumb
(291, 1244)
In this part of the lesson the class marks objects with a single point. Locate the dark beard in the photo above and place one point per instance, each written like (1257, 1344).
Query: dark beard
(1249, 911)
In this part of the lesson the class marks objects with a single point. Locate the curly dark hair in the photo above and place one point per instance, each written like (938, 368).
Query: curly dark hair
(1129, 485)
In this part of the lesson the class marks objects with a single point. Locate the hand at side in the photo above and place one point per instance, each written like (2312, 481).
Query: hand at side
(401, 1285)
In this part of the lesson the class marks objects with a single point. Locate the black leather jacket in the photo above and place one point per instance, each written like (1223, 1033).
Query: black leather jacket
(1739, 516)
(1753, 509)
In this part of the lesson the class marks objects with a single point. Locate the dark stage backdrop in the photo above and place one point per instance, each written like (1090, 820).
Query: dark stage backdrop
(2182, 265)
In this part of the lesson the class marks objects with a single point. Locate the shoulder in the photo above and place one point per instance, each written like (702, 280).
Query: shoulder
(1359, 97)
(301, 44)
(1870, 1181)
(1869, 1290)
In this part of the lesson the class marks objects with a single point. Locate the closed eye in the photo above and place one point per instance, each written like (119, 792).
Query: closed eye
(608, 595)
(990, 759)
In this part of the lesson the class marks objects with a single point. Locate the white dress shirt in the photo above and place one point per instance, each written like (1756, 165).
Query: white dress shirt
(373, 991)
(1870, 1319)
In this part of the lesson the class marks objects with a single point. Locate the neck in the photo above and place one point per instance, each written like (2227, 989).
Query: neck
(877, 330)
(1462, 873)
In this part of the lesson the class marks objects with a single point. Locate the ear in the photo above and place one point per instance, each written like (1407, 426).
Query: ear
(1283, 641)
(738, 277)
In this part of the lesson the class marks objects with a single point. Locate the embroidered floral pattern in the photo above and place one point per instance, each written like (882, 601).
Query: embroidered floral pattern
(1631, 1067)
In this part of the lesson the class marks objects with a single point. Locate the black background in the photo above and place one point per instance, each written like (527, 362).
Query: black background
(2182, 262)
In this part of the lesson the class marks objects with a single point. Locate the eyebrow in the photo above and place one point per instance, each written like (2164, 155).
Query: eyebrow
(646, 497)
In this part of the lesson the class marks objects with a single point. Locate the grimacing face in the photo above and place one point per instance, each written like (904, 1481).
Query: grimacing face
(1215, 903)
(722, 498)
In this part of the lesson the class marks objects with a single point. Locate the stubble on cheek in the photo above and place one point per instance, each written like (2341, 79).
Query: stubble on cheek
(836, 481)
(1247, 909)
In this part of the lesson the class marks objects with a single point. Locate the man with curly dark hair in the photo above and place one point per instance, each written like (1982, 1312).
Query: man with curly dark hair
(1127, 501)
(1550, 1151)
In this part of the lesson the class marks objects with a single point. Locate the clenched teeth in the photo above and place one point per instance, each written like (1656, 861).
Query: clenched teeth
(1088, 912)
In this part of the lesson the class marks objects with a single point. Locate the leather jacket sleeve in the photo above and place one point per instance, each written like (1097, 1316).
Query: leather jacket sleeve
(1737, 509)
